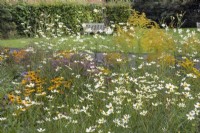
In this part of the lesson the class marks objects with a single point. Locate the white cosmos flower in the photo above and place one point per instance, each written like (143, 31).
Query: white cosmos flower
(109, 105)
(143, 113)
(191, 115)
(119, 60)
(95, 10)
(171, 87)
(154, 104)
(163, 25)
(39, 122)
(184, 84)
(126, 118)
(197, 105)
(17, 92)
(137, 106)
(196, 60)
(50, 97)
(101, 121)
(47, 119)
(30, 49)
(30, 85)
(41, 130)
(90, 129)
(3, 118)
(84, 109)
(58, 68)
(187, 88)
(181, 105)
(191, 75)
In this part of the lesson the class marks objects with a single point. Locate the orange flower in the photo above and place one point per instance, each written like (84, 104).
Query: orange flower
(18, 99)
(18, 56)
(11, 97)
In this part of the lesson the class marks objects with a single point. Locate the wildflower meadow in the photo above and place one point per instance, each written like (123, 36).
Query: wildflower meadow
(133, 77)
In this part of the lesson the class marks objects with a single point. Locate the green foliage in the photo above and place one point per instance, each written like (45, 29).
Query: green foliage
(145, 35)
(29, 17)
(7, 27)
(118, 13)
(159, 9)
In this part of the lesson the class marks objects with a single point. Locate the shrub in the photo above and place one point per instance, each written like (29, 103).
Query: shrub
(28, 17)
(144, 35)
(7, 27)
(166, 9)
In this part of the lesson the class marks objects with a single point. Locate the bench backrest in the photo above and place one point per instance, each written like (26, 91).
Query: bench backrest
(93, 27)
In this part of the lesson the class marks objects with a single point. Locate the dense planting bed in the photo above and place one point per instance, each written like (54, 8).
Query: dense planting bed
(140, 78)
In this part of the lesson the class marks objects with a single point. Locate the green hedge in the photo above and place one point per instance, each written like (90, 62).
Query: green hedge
(7, 26)
(72, 15)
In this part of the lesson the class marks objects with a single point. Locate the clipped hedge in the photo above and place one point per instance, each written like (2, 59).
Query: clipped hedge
(72, 15)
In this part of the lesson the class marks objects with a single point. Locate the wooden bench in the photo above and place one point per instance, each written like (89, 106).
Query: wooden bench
(93, 27)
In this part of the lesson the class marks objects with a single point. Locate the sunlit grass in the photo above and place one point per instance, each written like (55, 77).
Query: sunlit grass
(103, 44)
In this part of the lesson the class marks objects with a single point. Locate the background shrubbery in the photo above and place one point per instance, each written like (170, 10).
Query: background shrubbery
(7, 26)
(29, 17)
(165, 9)
(25, 18)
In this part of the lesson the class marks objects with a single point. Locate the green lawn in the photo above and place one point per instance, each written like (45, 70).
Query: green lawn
(87, 42)
(103, 43)
(16, 43)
